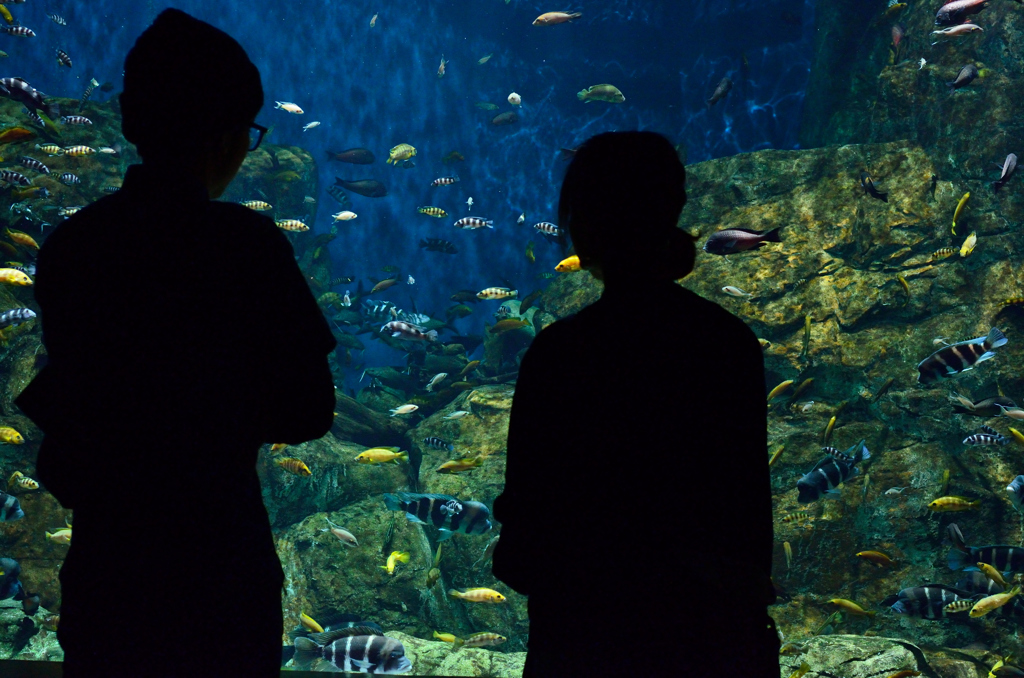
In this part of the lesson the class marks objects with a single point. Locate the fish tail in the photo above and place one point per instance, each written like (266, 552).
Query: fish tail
(403, 557)
(773, 235)
(957, 559)
(454, 593)
(305, 650)
(995, 339)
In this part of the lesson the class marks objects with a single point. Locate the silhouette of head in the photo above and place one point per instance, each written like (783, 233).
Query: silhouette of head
(621, 200)
(189, 90)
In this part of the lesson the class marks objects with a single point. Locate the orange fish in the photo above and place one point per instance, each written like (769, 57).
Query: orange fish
(384, 284)
(294, 466)
(552, 18)
(12, 134)
(460, 465)
(23, 239)
(877, 557)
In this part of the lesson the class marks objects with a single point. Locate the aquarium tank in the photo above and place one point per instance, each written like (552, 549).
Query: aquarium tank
(413, 156)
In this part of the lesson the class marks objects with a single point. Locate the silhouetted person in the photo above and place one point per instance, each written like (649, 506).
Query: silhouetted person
(637, 510)
(181, 335)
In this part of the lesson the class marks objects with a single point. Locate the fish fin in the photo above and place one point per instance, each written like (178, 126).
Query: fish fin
(984, 356)
(834, 493)
(773, 235)
(445, 534)
(957, 559)
(414, 518)
(995, 338)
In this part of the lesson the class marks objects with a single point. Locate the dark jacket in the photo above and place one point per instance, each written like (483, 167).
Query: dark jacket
(637, 503)
(180, 336)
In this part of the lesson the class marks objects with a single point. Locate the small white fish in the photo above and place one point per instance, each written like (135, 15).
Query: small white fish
(373, 21)
(894, 491)
(309, 200)
(736, 292)
(404, 409)
(310, 125)
(435, 380)
(515, 99)
(807, 406)
(969, 244)
(346, 537)
(344, 216)
(1012, 412)
(937, 341)
(346, 301)
(922, 63)
(521, 219)
(288, 106)
(107, 149)
(410, 281)
(458, 414)
(469, 201)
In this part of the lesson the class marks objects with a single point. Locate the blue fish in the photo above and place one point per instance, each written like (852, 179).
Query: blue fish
(829, 473)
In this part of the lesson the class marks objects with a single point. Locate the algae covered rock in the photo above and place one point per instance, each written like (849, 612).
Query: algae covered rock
(433, 658)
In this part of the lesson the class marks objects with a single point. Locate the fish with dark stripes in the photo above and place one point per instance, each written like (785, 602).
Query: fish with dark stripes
(990, 436)
(829, 473)
(960, 357)
(10, 508)
(446, 513)
(34, 164)
(1003, 557)
(926, 602)
(358, 650)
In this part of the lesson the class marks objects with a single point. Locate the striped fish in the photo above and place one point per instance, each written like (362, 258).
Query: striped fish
(474, 223)
(444, 181)
(292, 225)
(18, 31)
(63, 59)
(438, 444)
(448, 514)
(68, 179)
(1003, 557)
(57, 19)
(927, 602)
(12, 177)
(370, 652)
(957, 358)
(989, 437)
(34, 164)
(15, 316)
(79, 151)
(547, 228)
(75, 120)
(36, 120)
(980, 585)
(431, 211)
(10, 509)
(829, 473)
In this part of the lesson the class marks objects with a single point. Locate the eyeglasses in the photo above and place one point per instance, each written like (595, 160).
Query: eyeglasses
(256, 137)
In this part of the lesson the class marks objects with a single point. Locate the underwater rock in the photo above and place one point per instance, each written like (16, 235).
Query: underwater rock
(359, 424)
(852, 657)
(435, 658)
(15, 628)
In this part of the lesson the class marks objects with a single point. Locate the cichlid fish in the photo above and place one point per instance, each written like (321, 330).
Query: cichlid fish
(960, 357)
(607, 93)
(570, 264)
(75, 120)
(10, 508)
(67, 178)
(497, 293)
(478, 595)
(829, 473)
(12, 276)
(438, 444)
(432, 212)
(438, 245)
(736, 292)
(552, 18)
(733, 240)
(357, 649)
(869, 188)
(398, 328)
(989, 437)
(969, 244)
(448, 514)
(993, 602)
(381, 455)
(288, 106)
(927, 602)
(343, 535)
(403, 409)
(257, 205)
(1016, 490)
(294, 466)
(954, 32)
(955, 12)
(399, 153)
(851, 607)
(953, 503)
(964, 78)
(720, 92)
(393, 560)
(1007, 169)
(444, 181)
(460, 465)
(484, 639)
(474, 223)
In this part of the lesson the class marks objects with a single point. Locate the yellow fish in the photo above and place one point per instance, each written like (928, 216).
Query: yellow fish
(947, 504)
(78, 151)
(460, 465)
(295, 467)
(780, 389)
(851, 607)
(277, 447)
(802, 671)
(23, 239)
(994, 574)
(446, 637)
(310, 624)
(993, 602)
(258, 205)
(21, 480)
(399, 153)
(50, 149)
(381, 455)
(292, 225)
(395, 558)
(8, 17)
(470, 366)
(507, 324)
(960, 207)
(530, 256)
(478, 595)
(9, 435)
(497, 293)
(569, 265)
(969, 244)
(61, 536)
(432, 211)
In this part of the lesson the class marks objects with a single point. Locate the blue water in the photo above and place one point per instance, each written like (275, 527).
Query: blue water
(377, 87)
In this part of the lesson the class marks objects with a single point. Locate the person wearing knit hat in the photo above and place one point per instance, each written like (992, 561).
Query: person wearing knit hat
(158, 391)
